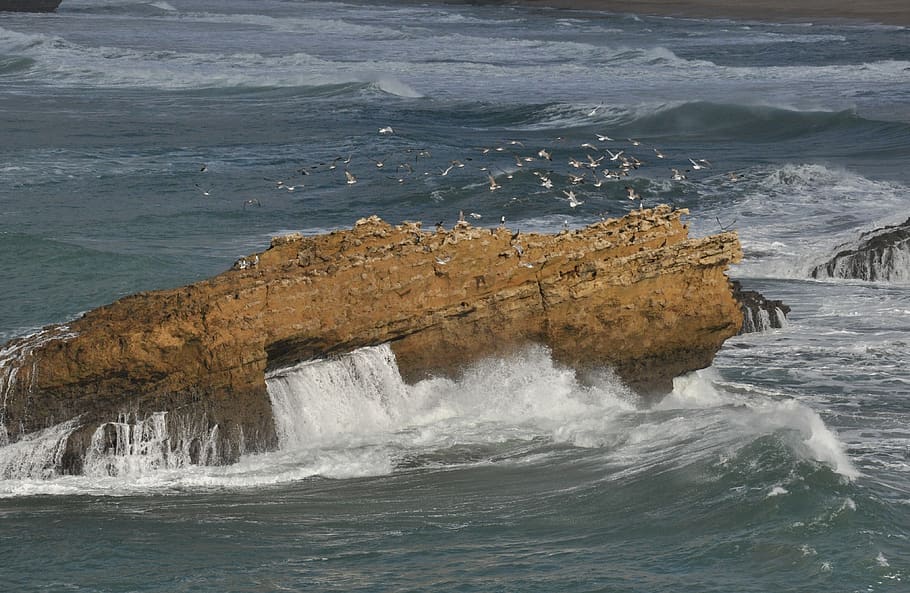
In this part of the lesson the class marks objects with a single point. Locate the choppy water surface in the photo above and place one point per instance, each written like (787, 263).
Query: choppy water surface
(782, 468)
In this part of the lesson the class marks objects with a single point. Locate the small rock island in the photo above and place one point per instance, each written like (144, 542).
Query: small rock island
(635, 294)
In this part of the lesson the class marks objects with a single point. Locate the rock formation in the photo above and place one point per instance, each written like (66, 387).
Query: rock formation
(635, 294)
(759, 313)
(879, 255)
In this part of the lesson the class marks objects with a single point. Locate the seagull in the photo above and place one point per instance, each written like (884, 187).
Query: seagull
(589, 145)
(493, 185)
(614, 157)
(526, 264)
(603, 138)
(204, 168)
(634, 195)
(544, 154)
(205, 192)
(351, 180)
(574, 202)
(519, 249)
(634, 142)
(474, 215)
(445, 171)
(678, 175)
(658, 153)
(594, 111)
(700, 164)
(443, 260)
(252, 202)
(386, 130)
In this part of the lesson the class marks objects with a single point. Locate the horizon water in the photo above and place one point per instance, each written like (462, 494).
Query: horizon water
(143, 145)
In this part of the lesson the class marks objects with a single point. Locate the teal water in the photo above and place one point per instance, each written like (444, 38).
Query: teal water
(784, 467)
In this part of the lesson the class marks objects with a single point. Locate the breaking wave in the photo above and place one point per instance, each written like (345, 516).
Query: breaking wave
(354, 416)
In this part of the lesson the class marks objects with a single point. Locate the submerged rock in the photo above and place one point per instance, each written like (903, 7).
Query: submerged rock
(879, 255)
(759, 313)
(635, 294)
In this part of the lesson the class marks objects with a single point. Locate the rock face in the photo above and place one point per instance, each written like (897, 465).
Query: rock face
(759, 313)
(635, 294)
(879, 255)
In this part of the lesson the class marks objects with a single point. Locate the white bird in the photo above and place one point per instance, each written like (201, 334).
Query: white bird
(493, 185)
(700, 164)
(574, 202)
(205, 192)
(658, 153)
(544, 154)
(474, 215)
(386, 130)
(443, 260)
(614, 157)
(678, 175)
(351, 180)
(603, 138)
(634, 195)
(252, 202)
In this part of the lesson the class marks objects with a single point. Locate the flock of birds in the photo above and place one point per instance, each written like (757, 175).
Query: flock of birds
(566, 169)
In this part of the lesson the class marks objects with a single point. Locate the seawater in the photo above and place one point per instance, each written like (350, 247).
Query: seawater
(142, 147)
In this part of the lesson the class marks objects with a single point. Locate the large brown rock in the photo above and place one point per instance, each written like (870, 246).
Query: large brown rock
(635, 294)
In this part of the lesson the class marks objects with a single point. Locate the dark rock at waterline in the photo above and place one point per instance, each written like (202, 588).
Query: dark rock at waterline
(759, 313)
(879, 255)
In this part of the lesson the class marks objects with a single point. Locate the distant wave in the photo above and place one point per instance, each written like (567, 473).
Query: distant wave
(65, 63)
(757, 122)
(791, 217)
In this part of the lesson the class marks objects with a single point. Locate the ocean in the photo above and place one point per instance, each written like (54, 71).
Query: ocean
(146, 145)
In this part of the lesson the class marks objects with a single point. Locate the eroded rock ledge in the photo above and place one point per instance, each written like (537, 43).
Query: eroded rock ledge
(635, 294)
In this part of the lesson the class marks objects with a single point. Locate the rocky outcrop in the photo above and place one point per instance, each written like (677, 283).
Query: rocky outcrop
(636, 294)
(882, 255)
(759, 313)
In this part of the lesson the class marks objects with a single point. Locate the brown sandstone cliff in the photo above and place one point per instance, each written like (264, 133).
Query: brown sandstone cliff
(635, 294)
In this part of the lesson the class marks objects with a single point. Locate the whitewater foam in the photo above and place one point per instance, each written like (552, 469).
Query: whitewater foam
(354, 416)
